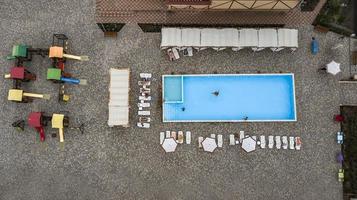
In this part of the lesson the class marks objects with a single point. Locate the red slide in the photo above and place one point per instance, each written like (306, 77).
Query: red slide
(41, 131)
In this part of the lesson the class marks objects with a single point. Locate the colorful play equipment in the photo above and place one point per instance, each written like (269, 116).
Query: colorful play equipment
(19, 95)
(20, 74)
(22, 53)
(38, 121)
(314, 46)
(56, 73)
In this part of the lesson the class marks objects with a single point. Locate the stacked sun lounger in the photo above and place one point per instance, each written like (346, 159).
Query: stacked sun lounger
(282, 142)
(144, 100)
(179, 136)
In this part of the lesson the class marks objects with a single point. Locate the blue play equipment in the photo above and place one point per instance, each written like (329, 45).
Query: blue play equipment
(314, 46)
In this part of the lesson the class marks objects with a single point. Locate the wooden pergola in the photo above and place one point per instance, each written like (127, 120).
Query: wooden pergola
(256, 5)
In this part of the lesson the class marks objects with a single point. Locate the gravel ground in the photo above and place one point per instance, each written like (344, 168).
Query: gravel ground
(128, 163)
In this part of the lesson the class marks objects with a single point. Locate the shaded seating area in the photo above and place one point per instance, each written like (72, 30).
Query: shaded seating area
(119, 97)
(219, 39)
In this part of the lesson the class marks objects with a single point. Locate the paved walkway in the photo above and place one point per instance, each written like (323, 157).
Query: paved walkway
(155, 12)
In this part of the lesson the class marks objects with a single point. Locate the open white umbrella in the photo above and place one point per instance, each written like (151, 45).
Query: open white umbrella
(249, 144)
(169, 145)
(209, 144)
(333, 68)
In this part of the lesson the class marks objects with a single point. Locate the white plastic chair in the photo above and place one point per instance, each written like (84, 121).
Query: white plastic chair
(188, 137)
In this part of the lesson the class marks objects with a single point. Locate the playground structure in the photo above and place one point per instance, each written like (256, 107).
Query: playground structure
(55, 73)
(39, 120)
(19, 95)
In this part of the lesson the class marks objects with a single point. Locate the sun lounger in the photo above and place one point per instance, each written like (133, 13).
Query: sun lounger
(144, 112)
(180, 137)
(144, 90)
(143, 125)
(144, 119)
(220, 140)
(162, 137)
(200, 140)
(285, 142)
(145, 75)
(278, 142)
(168, 134)
(144, 83)
(291, 143)
(298, 143)
(213, 136)
(262, 141)
(174, 135)
(241, 136)
(188, 137)
(144, 98)
(176, 53)
(144, 105)
(270, 141)
(232, 140)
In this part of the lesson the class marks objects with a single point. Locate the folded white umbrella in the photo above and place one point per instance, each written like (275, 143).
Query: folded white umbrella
(333, 68)
(169, 145)
(249, 144)
(209, 144)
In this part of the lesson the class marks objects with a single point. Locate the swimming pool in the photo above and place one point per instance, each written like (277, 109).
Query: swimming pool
(229, 98)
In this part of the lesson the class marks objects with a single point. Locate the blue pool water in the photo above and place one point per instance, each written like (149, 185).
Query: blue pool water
(242, 97)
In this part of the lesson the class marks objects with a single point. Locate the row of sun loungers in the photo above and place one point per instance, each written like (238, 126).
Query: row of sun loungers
(144, 101)
(280, 142)
(179, 136)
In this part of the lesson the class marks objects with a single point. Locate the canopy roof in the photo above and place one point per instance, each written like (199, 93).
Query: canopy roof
(248, 37)
(119, 97)
(268, 37)
(171, 37)
(191, 37)
(287, 37)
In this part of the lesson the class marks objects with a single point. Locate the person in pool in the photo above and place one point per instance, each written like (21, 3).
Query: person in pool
(215, 93)
(183, 109)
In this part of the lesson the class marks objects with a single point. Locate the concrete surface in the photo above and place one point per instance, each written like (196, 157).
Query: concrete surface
(128, 163)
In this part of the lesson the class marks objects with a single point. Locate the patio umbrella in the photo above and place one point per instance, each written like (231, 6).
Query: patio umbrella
(333, 68)
(209, 144)
(169, 145)
(249, 144)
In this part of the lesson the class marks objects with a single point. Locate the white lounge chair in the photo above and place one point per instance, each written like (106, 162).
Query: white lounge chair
(270, 141)
(285, 142)
(241, 136)
(144, 112)
(298, 143)
(188, 137)
(145, 75)
(180, 137)
(144, 90)
(144, 105)
(232, 140)
(213, 136)
(144, 98)
(262, 141)
(278, 142)
(144, 83)
(200, 140)
(162, 137)
(174, 135)
(143, 125)
(144, 119)
(168, 134)
(291, 143)
(220, 140)
(176, 53)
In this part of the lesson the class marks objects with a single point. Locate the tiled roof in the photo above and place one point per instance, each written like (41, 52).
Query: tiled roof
(155, 12)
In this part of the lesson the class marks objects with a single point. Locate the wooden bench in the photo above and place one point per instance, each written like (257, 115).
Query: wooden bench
(110, 34)
(354, 57)
(321, 29)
